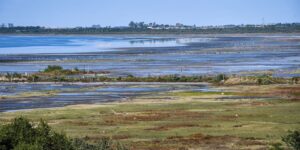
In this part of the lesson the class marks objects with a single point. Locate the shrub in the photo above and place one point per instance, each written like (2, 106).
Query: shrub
(104, 144)
(220, 78)
(22, 135)
(80, 144)
(53, 68)
(295, 80)
(265, 80)
(292, 140)
(108, 144)
(33, 78)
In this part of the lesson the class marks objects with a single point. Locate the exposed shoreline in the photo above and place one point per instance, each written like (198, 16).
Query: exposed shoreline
(114, 83)
(155, 34)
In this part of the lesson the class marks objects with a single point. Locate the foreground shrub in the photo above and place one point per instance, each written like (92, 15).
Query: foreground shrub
(292, 140)
(23, 135)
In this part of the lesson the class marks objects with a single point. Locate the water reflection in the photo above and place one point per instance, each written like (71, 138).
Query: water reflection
(143, 56)
(70, 94)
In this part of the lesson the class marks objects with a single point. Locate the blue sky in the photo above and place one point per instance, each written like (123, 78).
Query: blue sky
(72, 13)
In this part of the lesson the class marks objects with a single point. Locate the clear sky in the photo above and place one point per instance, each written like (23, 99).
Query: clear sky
(72, 13)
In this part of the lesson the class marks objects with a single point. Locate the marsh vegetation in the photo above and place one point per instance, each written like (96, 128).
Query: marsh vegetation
(238, 117)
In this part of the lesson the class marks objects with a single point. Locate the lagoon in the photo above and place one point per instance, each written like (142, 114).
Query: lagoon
(149, 55)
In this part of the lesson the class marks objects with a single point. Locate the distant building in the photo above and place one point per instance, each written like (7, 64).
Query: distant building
(10, 25)
(229, 26)
(96, 26)
(179, 25)
(3, 25)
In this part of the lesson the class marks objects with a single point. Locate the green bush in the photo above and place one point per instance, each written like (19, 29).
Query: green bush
(292, 140)
(53, 68)
(82, 145)
(220, 78)
(104, 144)
(108, 144)
(265, 79)
(23, 135)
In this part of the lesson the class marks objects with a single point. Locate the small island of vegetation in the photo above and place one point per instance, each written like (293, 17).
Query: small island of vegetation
(59, 74)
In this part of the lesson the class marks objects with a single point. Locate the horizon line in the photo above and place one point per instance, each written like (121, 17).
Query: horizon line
(111, 26)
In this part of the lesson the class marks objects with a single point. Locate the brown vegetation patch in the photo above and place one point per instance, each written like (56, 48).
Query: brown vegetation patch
(228, 117)
(77, 123)
(284, 91)
(240, 81)
(206, 126)
(238, 126)
(152, 146)
(213, 142)
(292, 93)
(172, 126)
(152, 116)
(256, 103)
(145, 117)
(249, 142)
(120, 137)
(118, 119)
(253, 103)
(93, 138)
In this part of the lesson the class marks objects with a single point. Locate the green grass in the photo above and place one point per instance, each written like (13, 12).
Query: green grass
(198, 93)
(139, 124)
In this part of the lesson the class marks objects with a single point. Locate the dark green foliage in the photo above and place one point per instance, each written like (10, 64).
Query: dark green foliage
(80, 144)
(107, 144)
(23, 135)
(295, 80)
(33, 78)
(120, 146)
(292, 140)
(266, 79)
(104, 144)
(53, 68)
(16, 75)
(219, 78)
(23, 146)
(60, 71)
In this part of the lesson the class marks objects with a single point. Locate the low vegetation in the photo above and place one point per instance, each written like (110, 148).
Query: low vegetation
(59, 74)
(58, 70)
(293, 140)
(239, 117)
(20, 134)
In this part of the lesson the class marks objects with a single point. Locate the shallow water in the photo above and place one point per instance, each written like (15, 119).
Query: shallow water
(70, 94)
(76, 44)
(151, 55)
(139, 56)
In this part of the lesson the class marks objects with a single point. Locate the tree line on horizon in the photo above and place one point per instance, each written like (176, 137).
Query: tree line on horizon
(141, 27)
